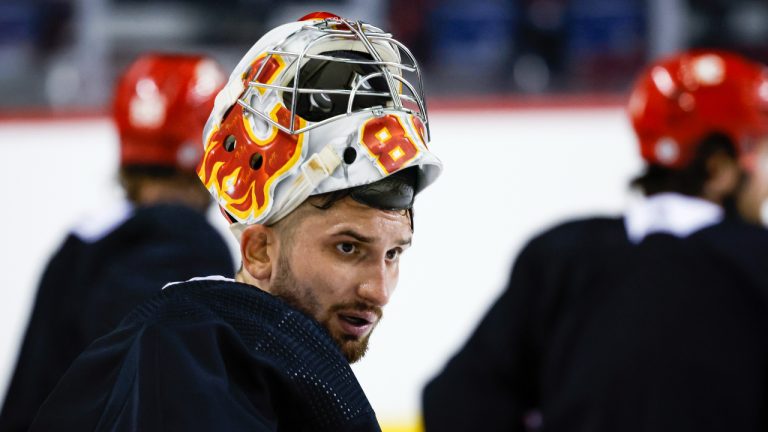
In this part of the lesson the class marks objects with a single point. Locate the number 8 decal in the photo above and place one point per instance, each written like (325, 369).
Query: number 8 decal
(388, 143)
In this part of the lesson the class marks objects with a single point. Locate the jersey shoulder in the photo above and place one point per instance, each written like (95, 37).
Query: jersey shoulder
(743, 242)
(578, 234)
(95, 226)
(267, 336)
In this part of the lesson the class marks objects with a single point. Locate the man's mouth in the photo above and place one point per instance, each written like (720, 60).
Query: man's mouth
(356, 323)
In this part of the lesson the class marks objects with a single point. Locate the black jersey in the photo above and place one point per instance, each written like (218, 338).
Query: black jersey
(210, 355)
(595, 333)
(93, 281)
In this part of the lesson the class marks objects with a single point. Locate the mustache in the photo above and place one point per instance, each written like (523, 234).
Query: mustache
(358, 306)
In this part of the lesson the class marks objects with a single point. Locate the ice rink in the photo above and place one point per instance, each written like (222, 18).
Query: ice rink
(508, 175)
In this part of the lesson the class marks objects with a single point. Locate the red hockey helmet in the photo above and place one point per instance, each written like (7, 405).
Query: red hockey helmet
(161, 104)
(680, 100)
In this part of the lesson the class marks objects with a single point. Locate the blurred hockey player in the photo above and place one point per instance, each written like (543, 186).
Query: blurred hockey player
(654, 321)
(115, 260)
(315, 151)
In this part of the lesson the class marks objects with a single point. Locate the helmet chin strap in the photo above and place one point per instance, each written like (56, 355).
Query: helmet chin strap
(313, 171)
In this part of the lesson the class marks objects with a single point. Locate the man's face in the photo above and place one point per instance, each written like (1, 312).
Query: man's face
(754, 192)
(340, 266)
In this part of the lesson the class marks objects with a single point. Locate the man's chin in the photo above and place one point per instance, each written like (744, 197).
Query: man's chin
(351, 338)
(353, 348)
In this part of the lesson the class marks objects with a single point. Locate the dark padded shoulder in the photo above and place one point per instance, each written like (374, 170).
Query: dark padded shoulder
(576, 234)
(319, 386)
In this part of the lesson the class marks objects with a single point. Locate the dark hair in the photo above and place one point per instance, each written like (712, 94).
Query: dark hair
(689, 180)
(132, 177)
(327, 200)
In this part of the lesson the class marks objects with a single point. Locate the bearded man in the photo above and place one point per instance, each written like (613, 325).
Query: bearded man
(315, 150)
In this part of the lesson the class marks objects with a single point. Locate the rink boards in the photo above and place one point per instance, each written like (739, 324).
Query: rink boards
(509, 173)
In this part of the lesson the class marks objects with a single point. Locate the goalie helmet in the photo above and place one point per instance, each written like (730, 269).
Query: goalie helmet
(161, 104)
(315, 106)
(679, 101)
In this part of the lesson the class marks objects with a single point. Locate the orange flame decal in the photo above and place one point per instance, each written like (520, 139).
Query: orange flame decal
(275, 64)
(420, 129)
(244, 172)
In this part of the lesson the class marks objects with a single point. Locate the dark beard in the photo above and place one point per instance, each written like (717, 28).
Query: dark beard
(287, 288)
(353, 349)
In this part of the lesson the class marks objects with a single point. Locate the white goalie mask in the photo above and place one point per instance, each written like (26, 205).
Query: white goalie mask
(315, 106)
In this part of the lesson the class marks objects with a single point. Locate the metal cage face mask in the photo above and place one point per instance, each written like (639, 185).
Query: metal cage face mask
(376, 68)
(315, 106)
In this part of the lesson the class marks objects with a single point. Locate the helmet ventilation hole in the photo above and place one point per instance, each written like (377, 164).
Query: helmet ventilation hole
(229, 143)
(256, 161)
(350, 154)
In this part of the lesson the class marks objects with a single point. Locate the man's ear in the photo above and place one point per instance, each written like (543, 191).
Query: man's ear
(259, 252)
(724, 176)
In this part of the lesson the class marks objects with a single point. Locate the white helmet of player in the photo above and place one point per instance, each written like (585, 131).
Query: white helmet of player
(315, 106)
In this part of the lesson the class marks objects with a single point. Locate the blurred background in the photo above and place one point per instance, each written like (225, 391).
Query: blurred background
(60, 55)
(526, 110)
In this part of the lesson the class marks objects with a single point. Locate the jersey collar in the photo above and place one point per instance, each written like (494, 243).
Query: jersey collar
(202, 278)
(670, 213)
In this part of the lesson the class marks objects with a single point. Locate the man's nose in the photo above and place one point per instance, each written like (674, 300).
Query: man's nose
(378, 285)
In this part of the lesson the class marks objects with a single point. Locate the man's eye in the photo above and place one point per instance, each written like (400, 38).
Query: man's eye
(393, 254)
(346, 248)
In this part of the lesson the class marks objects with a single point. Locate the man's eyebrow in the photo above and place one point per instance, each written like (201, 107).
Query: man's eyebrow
(362, 238)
